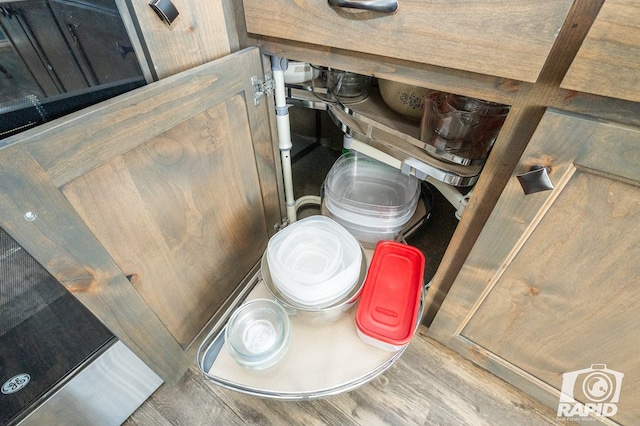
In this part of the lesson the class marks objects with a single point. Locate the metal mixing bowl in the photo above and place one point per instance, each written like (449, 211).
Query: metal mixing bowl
(316, 315)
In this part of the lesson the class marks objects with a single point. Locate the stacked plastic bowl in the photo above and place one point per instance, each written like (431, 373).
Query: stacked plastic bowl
(372, 200)
(314, 263)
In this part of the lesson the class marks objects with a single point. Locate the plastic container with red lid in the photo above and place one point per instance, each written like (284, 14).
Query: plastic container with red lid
(389, 305)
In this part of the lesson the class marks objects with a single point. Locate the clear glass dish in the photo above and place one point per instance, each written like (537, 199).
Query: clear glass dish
(258, 333)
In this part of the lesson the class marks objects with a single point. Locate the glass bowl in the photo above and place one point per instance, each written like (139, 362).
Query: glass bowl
(333, 84)
(258, 333)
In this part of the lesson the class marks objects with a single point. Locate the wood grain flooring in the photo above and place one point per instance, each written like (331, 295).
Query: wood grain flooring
(429, 385)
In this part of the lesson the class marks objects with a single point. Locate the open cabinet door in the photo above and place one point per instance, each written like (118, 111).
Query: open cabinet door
(152, 208)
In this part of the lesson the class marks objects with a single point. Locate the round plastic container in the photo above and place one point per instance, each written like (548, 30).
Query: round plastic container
(372, 200)
(299, 72)
(314, 262)
(258, 334)
(310, 255)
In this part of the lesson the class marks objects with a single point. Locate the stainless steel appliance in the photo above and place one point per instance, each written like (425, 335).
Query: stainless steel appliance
(58, 363)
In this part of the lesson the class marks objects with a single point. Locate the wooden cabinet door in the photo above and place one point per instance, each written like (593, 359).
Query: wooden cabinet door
(509, 39)
(608, 62)
(551, 285)
(202, 32)
(153, 207)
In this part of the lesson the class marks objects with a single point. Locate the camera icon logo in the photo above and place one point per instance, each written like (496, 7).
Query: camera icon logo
(591, 391)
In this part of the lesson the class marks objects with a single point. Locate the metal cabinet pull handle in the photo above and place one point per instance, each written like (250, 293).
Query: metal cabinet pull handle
(535, 180)
(165, 10)
(386, 6)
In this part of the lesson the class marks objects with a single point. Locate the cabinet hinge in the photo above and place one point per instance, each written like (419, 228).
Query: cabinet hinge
(262, 87)
(280, 226)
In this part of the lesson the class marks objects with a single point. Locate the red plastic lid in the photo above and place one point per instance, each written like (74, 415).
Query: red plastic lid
(390, 299)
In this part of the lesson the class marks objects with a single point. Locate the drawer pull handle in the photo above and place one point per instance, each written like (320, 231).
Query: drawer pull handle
(386, 6)
(535, 180)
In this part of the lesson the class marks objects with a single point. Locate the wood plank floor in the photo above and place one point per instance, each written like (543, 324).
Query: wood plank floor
(429, 385)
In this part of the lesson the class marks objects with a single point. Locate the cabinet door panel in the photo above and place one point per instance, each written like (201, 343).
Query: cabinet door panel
(169, 214)
(505, 39)
(153, 207)
(200, 34)
(608, 62)
(551, 285)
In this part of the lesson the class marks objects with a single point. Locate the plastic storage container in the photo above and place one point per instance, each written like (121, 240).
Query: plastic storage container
(372, 200)
(316, 315)
(314, 262)
(299, 72)
(390, 301)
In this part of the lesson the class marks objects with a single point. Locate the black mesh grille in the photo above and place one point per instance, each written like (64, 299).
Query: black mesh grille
(44, 331)
(25, 286)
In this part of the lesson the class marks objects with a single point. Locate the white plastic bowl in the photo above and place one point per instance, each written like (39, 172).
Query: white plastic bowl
(314, 262)
(309, 255)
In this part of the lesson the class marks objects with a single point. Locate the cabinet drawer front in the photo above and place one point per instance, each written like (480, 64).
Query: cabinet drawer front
(505, 39)
(608, 62)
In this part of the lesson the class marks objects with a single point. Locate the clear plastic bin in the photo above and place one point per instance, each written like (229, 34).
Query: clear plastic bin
(372, 200)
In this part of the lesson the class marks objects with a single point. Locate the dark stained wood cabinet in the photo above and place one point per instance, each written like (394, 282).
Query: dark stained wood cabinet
(505, 39)
(607, 62)
(34, 34)
(98, 39)
(149, 149)
(549, 287)
(153, 207)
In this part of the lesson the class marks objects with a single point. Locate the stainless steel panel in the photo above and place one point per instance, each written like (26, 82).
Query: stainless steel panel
(105, 392)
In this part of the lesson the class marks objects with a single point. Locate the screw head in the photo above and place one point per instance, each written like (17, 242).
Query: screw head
(30, 216)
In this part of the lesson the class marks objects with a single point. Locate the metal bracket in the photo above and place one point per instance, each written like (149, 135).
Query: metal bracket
(262, 87)
(280, 226)
(416, 166)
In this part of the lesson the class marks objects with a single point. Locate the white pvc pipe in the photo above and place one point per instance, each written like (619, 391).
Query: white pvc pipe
(458, 200)
(308, 200)
(278, 66)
